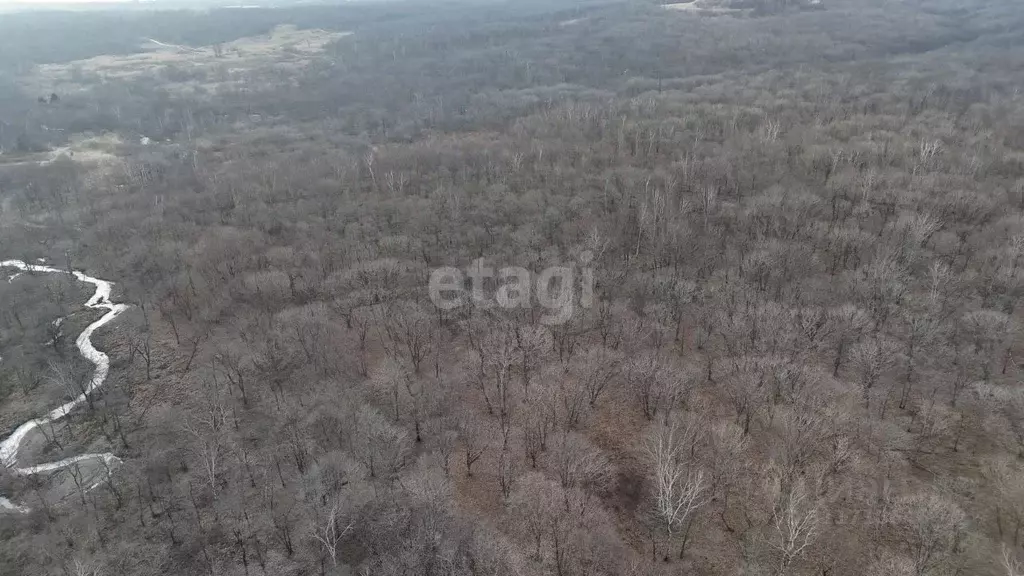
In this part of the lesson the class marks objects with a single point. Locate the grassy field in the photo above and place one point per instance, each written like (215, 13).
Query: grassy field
(255, 63)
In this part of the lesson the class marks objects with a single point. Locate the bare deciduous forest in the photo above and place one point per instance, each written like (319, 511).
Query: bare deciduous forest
(803, 222)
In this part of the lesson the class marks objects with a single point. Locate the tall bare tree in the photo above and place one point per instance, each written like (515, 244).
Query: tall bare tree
(681, 488)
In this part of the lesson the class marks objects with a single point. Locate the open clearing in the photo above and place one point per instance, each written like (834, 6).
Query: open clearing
(84, 149)
(701, 8)
(255, 61)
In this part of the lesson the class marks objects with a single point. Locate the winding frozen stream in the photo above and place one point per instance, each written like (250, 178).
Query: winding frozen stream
(9, 446)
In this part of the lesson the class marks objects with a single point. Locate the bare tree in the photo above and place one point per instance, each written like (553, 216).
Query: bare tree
(62, 375)
(847, 323)
(727, 443)
(206, 426)
(891, 565)
(410, 331)
(571, 397)
(534, 345)
(803, 434)
(232, 365)
(379, 446)
(658, 386)
(333, 488)
(537, 424)
(581, 465)
(1013, 565)
(446, 443)
(987, 331)
(681, 488)
(883, 285)
(795, 519)
(1007, 402)
(574, 538)
(392, 379)
(329, 532)
(506, 474)
(1008, 478)
(531, 502)
(498, 355)
(474, 437)
(921, 330)
(932, 527)
(595, 369)
(361, 320)
(207, 448)
(642, 373)
(746, 388)
(80, 568)
(872, 359)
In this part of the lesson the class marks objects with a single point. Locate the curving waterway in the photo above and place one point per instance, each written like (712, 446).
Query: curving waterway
(10, 446)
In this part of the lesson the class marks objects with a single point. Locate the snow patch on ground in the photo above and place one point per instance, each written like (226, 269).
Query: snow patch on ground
(9, 447)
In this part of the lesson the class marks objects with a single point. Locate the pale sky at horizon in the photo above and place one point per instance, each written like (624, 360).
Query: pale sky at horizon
(45, 2)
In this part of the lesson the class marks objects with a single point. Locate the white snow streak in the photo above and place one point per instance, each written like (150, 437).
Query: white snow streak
(9, 447)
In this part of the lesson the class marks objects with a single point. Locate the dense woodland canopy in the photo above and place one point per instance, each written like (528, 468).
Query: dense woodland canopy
(805, 357)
